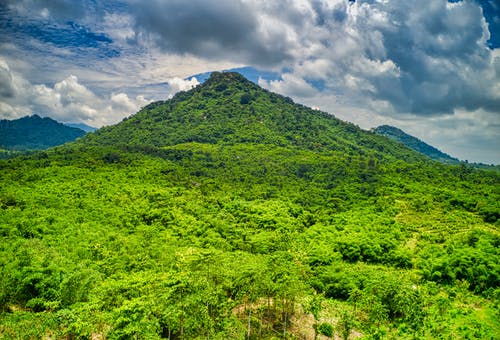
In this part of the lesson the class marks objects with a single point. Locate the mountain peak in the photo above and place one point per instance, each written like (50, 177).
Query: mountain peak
(226, 76)
(220, 81)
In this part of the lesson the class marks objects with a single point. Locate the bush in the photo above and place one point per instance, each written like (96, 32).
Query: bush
(245, 99)
(325, 329)
(472, 259)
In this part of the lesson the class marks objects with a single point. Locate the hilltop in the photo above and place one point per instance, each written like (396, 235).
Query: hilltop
(232, 212)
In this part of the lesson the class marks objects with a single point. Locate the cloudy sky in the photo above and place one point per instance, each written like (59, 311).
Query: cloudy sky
(430, 67)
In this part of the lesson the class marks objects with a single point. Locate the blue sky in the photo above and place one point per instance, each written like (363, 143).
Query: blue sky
(430, 67)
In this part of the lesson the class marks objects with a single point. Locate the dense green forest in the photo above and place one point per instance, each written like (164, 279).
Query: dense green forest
(34, 133)
(229, 212)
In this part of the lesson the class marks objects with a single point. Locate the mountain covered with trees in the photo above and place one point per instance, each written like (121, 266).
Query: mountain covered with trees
(414, 143)
(232, 212)
(35, 133)
(231, 110)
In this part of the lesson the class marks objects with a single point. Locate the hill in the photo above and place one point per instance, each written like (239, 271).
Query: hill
(230, 109)
(231, 212)
(81, 126)
(35, 133)
(414, 143)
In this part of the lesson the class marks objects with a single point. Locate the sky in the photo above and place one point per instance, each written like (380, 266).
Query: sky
(429, 67)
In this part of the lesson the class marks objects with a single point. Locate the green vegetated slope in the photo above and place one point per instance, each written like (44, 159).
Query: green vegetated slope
(229, 212)
(231, 110)
(35, 133)
(414, 143)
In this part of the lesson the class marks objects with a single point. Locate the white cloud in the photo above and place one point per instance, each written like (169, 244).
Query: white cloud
(424, 58)
(467, 135)
(66, 101)
(122, 101)
(6, 81)
(119, 27)
(177, 84)
(427, 57)
(69, 91)
(291, 85)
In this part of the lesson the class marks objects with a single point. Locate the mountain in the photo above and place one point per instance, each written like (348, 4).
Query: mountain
(35, 133)
(415, 144)
(230, 212)
(230, 109)
(81, 126)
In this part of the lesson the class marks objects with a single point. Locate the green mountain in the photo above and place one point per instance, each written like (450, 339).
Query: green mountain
(231, 212)
(230, 109)
(35, 133)
(415, 144)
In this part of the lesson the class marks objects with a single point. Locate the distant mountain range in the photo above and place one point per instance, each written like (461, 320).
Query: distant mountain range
(35, 133)
(81, 126)
(415, 144)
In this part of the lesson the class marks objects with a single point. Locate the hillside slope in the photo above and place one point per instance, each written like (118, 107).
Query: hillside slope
(35, 133)
(229, 212)
(415, 144)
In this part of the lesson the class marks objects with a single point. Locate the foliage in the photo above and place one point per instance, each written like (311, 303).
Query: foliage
(34, 133)
(169, 226)
(471, 257)
(326, 329)
(414, 143)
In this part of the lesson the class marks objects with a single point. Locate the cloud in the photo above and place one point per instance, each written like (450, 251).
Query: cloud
(426, 58)
(67, 100)
(177, 84)
(61, 10)
(260, 33)
(291, 85)
(468, 135)
(441, 53)
(123, 102)
(6, 83)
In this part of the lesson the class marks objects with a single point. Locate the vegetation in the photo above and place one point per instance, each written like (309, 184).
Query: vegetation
(230, 212)
(414, 143)
(34, 133)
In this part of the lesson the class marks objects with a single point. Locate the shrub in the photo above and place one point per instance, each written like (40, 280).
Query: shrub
(326, 329)
(245, 99)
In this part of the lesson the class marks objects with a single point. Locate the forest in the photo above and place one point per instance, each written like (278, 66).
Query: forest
(230, 212)
(33, 133)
